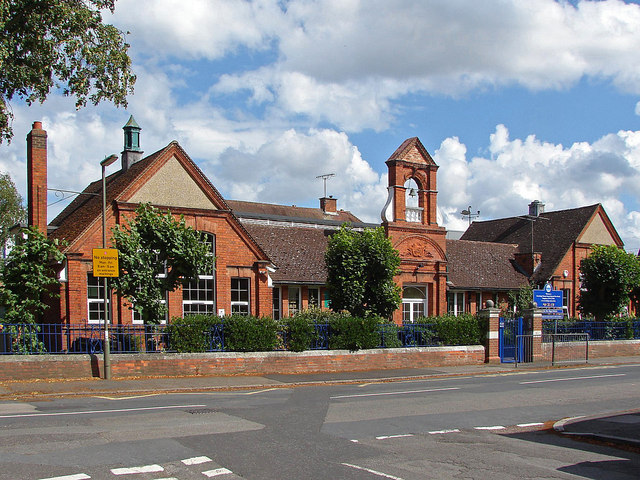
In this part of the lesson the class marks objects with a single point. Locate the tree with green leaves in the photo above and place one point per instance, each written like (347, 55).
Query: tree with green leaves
(27, 276)
(157, 252)
(521, 299)
(608, 275)
(11, 209)
(61, 44)
(360, 268)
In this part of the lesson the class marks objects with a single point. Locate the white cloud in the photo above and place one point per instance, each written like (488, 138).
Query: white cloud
(346, 61)
(519, 172)
(192, 29)
(284, 170)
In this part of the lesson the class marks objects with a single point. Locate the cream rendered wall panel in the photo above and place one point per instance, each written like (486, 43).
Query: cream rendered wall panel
(597, 233)
(174, 187)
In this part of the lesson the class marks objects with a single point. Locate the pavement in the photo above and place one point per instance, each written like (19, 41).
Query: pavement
(620, 429)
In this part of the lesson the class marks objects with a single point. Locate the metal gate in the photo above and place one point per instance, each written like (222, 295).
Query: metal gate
(509, 346)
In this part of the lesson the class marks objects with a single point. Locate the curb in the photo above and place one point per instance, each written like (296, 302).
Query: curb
(230, 388)
(559, 428)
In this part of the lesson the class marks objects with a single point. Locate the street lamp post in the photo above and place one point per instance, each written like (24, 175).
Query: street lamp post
(107, 347)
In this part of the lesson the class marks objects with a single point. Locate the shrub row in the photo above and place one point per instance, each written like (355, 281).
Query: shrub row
(307, 330)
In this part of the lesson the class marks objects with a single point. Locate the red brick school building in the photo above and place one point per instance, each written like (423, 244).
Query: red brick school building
(270, 258)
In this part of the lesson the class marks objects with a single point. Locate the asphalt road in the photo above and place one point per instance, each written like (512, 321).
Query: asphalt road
(477, 427)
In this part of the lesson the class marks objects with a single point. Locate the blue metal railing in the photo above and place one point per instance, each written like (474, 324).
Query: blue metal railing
(80, 338)
(88, 339)
(610, 330)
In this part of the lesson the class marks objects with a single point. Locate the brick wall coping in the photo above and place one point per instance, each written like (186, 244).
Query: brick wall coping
(231, 355)
(26, 367)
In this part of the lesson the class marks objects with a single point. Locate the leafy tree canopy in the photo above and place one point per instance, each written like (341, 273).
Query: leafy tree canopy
(11, 209)
(60, 44)
(609, 275)
(521, 299)
(156, 253)
(361, 267)
(27, 275)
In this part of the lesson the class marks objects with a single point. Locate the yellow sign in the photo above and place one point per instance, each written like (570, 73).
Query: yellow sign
(105, 262)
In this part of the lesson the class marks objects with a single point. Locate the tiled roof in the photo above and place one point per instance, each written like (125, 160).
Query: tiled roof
(86, 208)
(298, 252)
(553, 235)
(410, 143)
(483, 265)
(287, 213)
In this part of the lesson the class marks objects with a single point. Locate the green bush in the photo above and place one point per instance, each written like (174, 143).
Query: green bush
(192, 333)
(422, 333)
(300, 330)
(465, 329)
(389, 337)
(245, 333)
(353, 333)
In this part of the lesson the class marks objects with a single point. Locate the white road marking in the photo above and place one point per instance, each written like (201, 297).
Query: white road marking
(385, 437)
(216, 472)
(438, 432)
(525, 425)
(128, 398)
(494, 427)
(261, 391)
(573, 378)
(77, 476)
(132, 470)
(375, 472)
(196, 460)
(407, 392)
(88, 412)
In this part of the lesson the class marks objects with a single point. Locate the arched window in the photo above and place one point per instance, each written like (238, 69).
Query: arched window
(414, 303)
(199, 296)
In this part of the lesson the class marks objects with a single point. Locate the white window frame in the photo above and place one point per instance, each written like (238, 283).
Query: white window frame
(293, 311)
(238, 304)
(200, 303)
(316, 298)
(458, 302)
(410, 304)
(97, 300)
(276, 308)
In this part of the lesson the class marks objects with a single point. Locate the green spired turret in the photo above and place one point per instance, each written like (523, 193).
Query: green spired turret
(132, 151)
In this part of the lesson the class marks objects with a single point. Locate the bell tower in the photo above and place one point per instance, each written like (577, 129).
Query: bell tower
(409, 218)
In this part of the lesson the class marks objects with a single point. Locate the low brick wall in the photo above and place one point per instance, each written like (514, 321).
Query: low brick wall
(18, 367)
(614, 348)
(597, 349)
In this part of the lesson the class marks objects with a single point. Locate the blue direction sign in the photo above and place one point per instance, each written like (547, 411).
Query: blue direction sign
(549, 301)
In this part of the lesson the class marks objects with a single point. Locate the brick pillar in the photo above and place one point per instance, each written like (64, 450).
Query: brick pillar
(533, 326)
(37, 177)
(492, 348)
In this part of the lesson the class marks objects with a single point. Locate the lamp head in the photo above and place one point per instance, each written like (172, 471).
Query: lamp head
(109, 160)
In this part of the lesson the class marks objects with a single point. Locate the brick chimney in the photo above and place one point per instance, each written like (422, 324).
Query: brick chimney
(329, 205)
(37, 177)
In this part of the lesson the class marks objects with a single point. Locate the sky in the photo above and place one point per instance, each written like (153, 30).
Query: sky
(516, 100)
